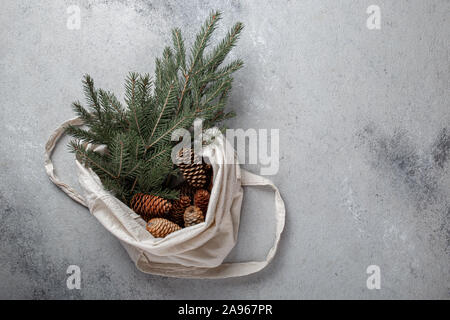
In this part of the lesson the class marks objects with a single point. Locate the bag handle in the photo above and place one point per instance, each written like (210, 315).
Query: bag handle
(239, 269)
(50, 169)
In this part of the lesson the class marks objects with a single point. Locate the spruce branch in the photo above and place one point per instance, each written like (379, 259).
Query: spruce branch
(215, 90)
(144, 85)
(163, 109)
(179, 48)
(221, 51)
(84, 154)
(203, 37)
(119, 110)
(81, 112)
(168, 131)
(226, 71)
(130, 88)
(197, 51)
(120, 159)
(137, 135)
(83, 135)
(91, 95)
(180, 100)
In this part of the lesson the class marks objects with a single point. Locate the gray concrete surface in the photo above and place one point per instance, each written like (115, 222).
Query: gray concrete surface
(364, 139)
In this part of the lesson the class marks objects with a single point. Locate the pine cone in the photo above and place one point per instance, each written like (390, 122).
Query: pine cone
(187, 190)
(201, 200)
(160, 227)
(192, 168)
(178, 208)
(192, 216)
(148, 206)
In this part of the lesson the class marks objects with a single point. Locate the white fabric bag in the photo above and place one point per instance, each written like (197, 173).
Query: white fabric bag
(194, 252)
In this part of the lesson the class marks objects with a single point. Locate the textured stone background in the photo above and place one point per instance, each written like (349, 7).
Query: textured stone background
(364, 141)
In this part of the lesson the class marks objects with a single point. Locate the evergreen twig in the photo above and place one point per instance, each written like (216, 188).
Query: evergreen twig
(136, 136)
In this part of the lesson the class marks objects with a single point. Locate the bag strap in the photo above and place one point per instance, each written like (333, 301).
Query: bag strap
(239, 269)
(49, 168)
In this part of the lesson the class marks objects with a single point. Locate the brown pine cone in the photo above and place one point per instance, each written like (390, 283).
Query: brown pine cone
(148, 206)
(160, 227)
(187, 190)
(192, 216)
(187, 156)
(177, 213)
(201, 200)
(192, 168)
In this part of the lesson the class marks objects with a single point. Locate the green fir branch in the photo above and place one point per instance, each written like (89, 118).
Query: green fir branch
(137, 135)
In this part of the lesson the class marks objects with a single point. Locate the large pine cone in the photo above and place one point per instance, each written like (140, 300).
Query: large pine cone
(201, 200)
(192, 216)
(160, 227)
(178, 208)
(148, 206)
(192, 168)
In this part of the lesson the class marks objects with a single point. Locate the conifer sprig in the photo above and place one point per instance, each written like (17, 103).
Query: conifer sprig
(137, 136)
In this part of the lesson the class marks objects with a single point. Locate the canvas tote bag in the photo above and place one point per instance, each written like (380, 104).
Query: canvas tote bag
(194, 252)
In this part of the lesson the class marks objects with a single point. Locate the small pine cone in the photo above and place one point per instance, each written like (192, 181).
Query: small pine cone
(178, 208)
(192, 168)
(160, 227)
(195, 176)
(201, 200)
(148, 206)
(192, 216)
